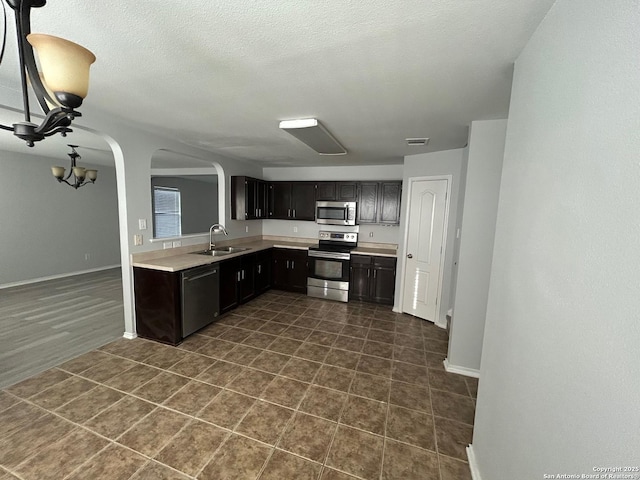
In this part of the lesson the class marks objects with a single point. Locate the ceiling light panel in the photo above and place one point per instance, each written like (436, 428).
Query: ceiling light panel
(311, 132)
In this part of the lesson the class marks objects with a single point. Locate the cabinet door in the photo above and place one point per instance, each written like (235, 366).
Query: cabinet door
(359, 282)
(263, 272)
(303, 200)
(229, 284)
(238, 198)
(368, 202)
(262, 199)
(298, 271)
(246, 290)
(384, 285)
(280, 200)
(325, 191)
(389, 208)
(347, 191)
(280, 269)
(250, 192)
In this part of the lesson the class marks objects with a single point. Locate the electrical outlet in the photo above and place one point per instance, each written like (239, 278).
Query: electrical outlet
(137, 239)
(371, 234)
(87, 256)
(246, 229)
(166, 245)
(177, 243)
(295, 229)
(142, 224)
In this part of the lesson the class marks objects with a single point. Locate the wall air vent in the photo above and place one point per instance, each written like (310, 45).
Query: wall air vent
(417, 142)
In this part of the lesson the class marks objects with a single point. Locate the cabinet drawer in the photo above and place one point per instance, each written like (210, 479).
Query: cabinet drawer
(388, 262)
(361, 259)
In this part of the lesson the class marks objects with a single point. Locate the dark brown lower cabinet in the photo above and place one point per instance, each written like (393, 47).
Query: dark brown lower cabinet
(158, 305)
(290, 270)
(262, 271)
(372, 279)
(237, 281)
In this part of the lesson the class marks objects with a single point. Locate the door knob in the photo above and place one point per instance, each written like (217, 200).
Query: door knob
(409, 256)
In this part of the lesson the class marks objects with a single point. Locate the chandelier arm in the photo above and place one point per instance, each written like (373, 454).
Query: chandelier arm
(56, 118)
(21, 47)
(30, 61)
(4, 31)
(62, 130)
(5, 127)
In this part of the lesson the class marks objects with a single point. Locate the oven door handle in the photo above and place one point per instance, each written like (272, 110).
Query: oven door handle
(332, 255)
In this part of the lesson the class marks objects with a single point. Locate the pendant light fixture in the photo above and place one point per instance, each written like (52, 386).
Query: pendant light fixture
(81, 176)
(62, 84)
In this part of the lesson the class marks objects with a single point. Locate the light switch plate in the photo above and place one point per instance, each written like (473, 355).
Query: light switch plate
(177, 243)
(166, 245)
(142, 224)
(137, 239)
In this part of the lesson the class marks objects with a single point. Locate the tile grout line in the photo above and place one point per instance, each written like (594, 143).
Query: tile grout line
(323, 362)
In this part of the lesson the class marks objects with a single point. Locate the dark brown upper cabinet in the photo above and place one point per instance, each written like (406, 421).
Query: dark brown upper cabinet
(337, 191)
(292, 200)
(249, 198)
(379, 202)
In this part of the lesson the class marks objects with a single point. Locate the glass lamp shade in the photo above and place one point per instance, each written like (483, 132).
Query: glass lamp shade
(79, 172)
(58, 172)
(92, 175)
(65, 65)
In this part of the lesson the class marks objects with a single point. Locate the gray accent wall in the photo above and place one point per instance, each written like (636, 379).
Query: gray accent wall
(481, 191)
(48, 229)
(560, 371)
(199, 201)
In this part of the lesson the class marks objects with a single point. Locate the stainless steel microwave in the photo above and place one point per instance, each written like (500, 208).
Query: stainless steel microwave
(336, 213)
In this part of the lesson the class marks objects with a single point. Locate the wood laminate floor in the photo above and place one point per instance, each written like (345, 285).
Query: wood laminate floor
(45, 323)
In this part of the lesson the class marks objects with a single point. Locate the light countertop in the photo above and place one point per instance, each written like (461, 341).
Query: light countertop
(184, 261)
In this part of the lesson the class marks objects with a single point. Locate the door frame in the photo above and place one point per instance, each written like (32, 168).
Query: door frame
(410, 182)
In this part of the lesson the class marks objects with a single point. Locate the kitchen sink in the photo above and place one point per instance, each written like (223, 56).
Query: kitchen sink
(221, 251)
(231, 249)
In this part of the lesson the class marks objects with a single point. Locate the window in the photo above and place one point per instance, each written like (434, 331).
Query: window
(166, 212)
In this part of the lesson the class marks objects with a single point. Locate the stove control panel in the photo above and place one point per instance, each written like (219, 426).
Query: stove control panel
(348, 237)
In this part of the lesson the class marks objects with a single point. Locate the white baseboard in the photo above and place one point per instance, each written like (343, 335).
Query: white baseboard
(473, 464)
(469, 372)
(55, 277)
(130, 336)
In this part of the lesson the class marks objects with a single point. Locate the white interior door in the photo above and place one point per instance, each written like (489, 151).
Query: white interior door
(425, 248)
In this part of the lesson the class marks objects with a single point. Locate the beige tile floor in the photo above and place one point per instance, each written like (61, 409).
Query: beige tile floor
(284, 387)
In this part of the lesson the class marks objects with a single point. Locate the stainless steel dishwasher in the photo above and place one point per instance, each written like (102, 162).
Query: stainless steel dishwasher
(200, 298)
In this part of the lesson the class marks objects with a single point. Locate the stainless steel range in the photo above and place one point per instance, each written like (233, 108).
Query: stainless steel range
(329, 264)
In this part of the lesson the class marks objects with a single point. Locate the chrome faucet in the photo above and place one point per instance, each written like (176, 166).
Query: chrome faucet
(216, 228)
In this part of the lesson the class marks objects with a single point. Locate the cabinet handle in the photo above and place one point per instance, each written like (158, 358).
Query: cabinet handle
(287, 264)
(374, 273)
(288, 212)
(259, 212)
(259, 269)
(294, 213)
(293, 264)
(243, 274)
(368, 272)
(238, 275)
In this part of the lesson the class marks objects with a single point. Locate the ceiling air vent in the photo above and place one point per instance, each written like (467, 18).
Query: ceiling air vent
(417, 142)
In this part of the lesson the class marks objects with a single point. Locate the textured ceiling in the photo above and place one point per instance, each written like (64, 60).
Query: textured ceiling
(220, 75)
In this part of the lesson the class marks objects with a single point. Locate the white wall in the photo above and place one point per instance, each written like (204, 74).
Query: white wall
(46, 228)
(482, 188)
(560, 373)
(367, 233)
(448, 162)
